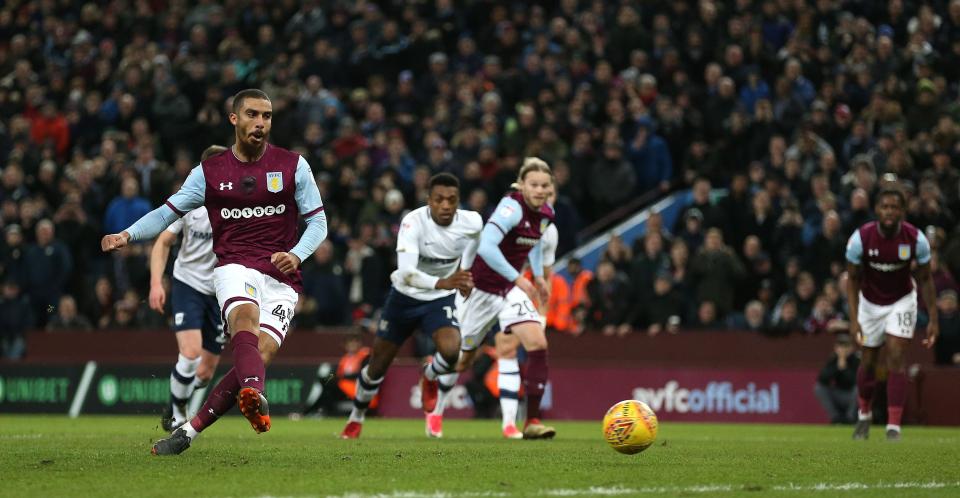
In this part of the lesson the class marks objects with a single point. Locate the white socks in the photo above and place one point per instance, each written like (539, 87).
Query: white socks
(437, 367)
(367, 388)
(508, 381)
(182, 384)
(447, 381)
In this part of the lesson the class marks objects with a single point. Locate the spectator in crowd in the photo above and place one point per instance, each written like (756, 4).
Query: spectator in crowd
(608, 312)
(785, 319)
(824, 318)
(706, 317)
(947, 347)
(753, 318)
(126, 209)
(325, 296)
(664, 309)
(713, 270)
(67, 319)
(16, 318)
(836, 386)
(49, 266)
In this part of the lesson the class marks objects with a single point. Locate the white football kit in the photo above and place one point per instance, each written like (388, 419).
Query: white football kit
(438, 250)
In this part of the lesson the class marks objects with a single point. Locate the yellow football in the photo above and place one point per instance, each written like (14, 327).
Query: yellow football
(630, 426)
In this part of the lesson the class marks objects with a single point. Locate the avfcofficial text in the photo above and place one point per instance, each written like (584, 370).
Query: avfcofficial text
(718, 397)
(252, 212)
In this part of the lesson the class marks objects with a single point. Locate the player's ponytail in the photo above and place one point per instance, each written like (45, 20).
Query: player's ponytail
(531, 164)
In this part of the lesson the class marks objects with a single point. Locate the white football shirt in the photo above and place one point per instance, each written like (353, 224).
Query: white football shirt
(195, 261)
(438, 248)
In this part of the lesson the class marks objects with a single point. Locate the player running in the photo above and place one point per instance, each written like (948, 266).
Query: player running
(196, 316)
(508, 342)
(510, 237)
(430, 244)
(253, 210)
(883, 303)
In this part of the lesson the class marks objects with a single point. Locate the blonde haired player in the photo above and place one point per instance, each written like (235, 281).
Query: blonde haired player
(510, 237)
(527, 323)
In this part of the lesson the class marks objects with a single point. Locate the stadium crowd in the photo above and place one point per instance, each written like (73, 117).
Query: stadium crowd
(798, 108)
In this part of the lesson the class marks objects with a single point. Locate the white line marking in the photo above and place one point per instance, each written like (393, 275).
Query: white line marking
(655, 490)
(81, 396)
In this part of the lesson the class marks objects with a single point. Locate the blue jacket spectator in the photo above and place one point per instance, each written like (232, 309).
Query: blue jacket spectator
(123, 211)
(650, 158)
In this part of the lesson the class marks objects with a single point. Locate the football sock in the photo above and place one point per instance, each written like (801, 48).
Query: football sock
(508, 381)
(447, 381)
(182, 381)
(366, 389)
(248, 364)
(896, 397)
(866, 383)
(437, 367)
(222, 397)
(535, 381)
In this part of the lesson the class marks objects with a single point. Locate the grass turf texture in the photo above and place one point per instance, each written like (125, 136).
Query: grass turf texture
(110, 456)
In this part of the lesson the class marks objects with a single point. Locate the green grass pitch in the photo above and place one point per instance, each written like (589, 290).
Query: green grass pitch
(46, 456)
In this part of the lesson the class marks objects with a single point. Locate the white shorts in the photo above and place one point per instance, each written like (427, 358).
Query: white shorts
(898, 319)
(236, 284)
(482, 310)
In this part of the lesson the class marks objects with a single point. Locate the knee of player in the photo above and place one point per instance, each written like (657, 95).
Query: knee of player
(507, 352)
(536, 344)
(204, 373)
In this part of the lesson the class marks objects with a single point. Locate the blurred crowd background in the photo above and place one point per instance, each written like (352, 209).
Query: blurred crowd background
(797, 108)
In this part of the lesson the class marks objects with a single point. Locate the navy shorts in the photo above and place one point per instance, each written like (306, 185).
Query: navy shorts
(402, 315)
(195, 310)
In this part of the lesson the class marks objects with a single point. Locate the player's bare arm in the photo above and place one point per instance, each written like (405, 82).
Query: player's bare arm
(158, 262)
(114, 241)
(929, 292)
(461, 280)
(853, 300)
(287, 262)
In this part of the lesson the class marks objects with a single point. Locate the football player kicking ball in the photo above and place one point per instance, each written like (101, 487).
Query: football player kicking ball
(430, 245)
(507, 343)
(196, 315)
(883, 303)
(253, 210)
(510, 237)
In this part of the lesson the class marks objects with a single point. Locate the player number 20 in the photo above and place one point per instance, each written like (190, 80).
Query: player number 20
(523, 308)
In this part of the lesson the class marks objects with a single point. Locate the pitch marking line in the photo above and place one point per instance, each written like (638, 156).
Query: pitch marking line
(656, 490)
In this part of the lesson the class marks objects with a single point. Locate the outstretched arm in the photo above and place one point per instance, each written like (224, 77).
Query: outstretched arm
(190, 196)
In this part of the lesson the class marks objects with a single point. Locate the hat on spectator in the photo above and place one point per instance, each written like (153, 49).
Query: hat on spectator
(844, 340)
(948, 294)
(13, 228)
(695, 213)
(819, 105)
(438, 58)
(405, 76)
(885, 30)
(842, 111)
(925, 85)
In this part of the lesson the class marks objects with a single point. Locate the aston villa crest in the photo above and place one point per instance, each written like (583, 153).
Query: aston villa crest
(275, 181)
(904, 252)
